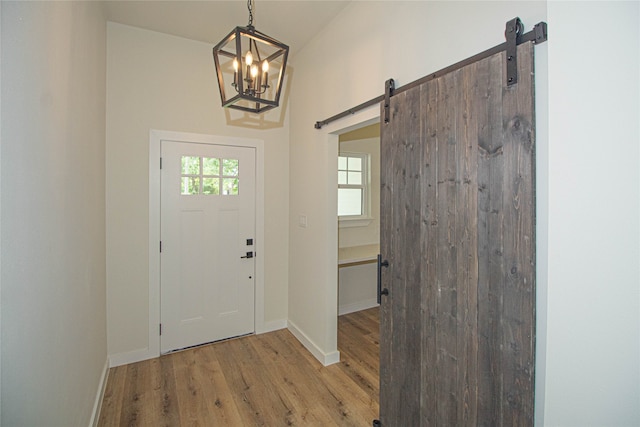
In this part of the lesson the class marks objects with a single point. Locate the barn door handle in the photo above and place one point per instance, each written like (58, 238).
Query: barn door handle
(381, 291)
(248, 255)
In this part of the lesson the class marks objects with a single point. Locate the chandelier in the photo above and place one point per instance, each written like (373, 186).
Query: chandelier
(250, 68)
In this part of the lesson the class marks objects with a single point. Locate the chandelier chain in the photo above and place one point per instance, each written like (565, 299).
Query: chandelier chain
(250, 8)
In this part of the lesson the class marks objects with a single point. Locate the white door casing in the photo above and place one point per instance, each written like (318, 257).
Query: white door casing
(152, 349)
(207, 225)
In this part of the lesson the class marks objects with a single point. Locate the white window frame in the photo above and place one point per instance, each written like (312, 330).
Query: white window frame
(364, 219)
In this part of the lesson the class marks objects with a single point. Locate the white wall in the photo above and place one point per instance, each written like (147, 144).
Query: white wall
(157, 81)
(357, 288)
(0, 218)
(593, 315)
(53, 228)
(345, 65)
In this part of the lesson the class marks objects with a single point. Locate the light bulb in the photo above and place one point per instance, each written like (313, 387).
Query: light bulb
(235, 64)
(254, 71)
(248, 58)
(265, 66)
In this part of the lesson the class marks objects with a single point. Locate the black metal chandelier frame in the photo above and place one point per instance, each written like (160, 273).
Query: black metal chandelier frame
(248, 89)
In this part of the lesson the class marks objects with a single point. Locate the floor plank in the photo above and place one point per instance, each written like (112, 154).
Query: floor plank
(266, 380)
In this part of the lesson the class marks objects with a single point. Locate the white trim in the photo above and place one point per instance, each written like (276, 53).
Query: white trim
(272, 325)
(155, 137)
(361, 221)
(325, 358)
(133, 356)
(357, 306)
(102, 386)
(331, 132)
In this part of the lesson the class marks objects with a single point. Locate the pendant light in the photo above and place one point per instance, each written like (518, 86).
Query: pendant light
(250, 67)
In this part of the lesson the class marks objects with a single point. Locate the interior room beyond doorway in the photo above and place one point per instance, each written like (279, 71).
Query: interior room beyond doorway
(358, 218)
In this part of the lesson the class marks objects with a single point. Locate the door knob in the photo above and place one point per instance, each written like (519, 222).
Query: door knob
(248, 255)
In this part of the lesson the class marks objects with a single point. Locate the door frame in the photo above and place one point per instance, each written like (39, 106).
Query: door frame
(155, 139)
(331, 134)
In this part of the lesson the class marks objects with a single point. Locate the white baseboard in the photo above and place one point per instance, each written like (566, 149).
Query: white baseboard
(134, 356)
(139, 355)
(357, 306)
(273, 325)
(325, 358)
(97, 405)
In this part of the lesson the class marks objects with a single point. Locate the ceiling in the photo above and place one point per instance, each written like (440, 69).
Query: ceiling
(293, 22)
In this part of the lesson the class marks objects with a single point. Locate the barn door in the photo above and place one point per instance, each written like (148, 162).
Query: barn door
(458, 231)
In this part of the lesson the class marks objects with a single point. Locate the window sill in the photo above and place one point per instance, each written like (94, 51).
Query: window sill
(354, 222)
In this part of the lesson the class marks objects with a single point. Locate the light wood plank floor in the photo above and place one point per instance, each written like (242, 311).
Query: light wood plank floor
(259, 380)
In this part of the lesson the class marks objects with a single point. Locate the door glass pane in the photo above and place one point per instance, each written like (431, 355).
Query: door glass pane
(210, 185)
(349, 201)
(210, 166)
(190, 165)
(230, 186)
(230, 167)
(355, 178)
(190, 185)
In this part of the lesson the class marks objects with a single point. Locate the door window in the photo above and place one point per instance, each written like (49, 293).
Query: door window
(209, 176)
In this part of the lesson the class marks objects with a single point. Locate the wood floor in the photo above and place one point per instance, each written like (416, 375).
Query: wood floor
(259, 380)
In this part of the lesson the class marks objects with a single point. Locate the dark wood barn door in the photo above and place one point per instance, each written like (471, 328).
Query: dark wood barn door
(458, 230)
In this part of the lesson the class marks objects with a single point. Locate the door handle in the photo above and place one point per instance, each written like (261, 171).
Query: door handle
(248, 255)
(381, 291)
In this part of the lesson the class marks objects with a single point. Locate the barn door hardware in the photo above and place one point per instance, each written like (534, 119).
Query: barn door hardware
(514, 38)
(381, 291)
(513, 31)
(389, 87)
(350, 111)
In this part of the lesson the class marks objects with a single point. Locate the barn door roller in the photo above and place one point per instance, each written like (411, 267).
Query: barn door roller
(389, 87)
(513, 31)
(514, 34)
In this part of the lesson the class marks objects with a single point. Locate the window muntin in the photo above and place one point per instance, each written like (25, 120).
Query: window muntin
(353, 185)
(209, 176)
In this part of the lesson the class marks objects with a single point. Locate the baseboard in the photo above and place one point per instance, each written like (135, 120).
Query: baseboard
(273, 325)
(325, 358)
(97, 405)
(139, 355)
(357, 306)
(134, 356)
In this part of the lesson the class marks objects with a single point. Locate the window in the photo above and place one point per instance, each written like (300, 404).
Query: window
(353, 187)
(209, 176)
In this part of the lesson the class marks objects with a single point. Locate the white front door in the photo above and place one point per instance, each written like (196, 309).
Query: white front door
(207, 243)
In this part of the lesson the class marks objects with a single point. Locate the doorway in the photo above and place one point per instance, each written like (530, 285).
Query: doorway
(358, 217)
(207, 243)
(156, 138)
